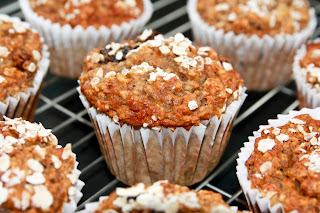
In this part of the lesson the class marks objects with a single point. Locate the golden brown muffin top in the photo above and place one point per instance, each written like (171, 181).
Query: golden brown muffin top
(285, 164)
(87, 13)
(310, 64)
(159, 82)
(20, 52)
(19, 134)
(35, 174)
(256, 17)
(163, 197)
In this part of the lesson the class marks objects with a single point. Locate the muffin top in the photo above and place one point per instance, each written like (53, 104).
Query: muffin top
(163, 197)
(20, 52)
(35, 174)
(154, 82)
(310, 64)
(285, 164)
(87, 13)
(256, 17)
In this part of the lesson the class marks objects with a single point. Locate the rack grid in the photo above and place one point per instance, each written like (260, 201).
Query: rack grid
(61, 110)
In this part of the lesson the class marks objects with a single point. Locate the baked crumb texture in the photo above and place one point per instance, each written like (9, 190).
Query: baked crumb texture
(256, 17)
(36, 175)
(20, 52)
(163, 197)
(310, 65)
(155, 82)
(87, 13)
(285, 164)
(306, 71)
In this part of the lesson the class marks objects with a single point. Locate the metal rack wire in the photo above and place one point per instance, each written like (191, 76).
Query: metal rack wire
(60, 109)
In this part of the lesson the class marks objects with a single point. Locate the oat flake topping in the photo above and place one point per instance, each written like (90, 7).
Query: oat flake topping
(291, 170)
(28, 152)
(167, 77)
(162, 196)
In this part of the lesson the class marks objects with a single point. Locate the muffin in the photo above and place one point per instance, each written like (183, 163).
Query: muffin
(259, 37)
(72, 28)
(306, 67)
(160, 197)
(278, 169)
(36, 174)
(162, 108)
(24, 64)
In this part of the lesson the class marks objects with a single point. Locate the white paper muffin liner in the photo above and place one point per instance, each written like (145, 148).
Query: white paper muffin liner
(24, 104)
(263, 63)
(92, 207)
(145, 155)
(71, 206)
(68, 46)
(308, 97)
(255, 202)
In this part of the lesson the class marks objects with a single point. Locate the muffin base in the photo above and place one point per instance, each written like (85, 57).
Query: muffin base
(137, 154)
(264, 63)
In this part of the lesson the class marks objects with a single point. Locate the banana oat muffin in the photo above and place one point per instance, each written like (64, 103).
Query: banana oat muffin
(162, 197)
(87, 13)
(310, 65)
(306, 70)
(159, 82)
(20, 52)
(285, 164)
(72, 28)
(22, 68)
(259, 37)
(256, 17)
(36, 175)
(162, 108)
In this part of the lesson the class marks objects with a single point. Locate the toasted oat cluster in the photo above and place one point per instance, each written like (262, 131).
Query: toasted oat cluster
(154, 81)
(256, 17)
(163, 197)
(87, 13)
(310, 65)
(20, 52)
(285, 164)
(36, 175)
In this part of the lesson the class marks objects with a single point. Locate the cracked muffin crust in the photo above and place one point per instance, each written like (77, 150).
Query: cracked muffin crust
(154, 81)
(87, 13)
(20, 52)
(36, 175)
(163, 197)
(256, 17)
(285, 164)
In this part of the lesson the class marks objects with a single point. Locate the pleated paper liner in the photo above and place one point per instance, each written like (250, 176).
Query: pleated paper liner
(24, 104)
(144, 155)
(263, 63)
(255, 201)
(68, 46)
(91, 207)
(308, 97)
(71, 206)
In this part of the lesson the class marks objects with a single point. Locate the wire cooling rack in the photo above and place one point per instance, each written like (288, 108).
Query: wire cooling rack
(61, 110)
